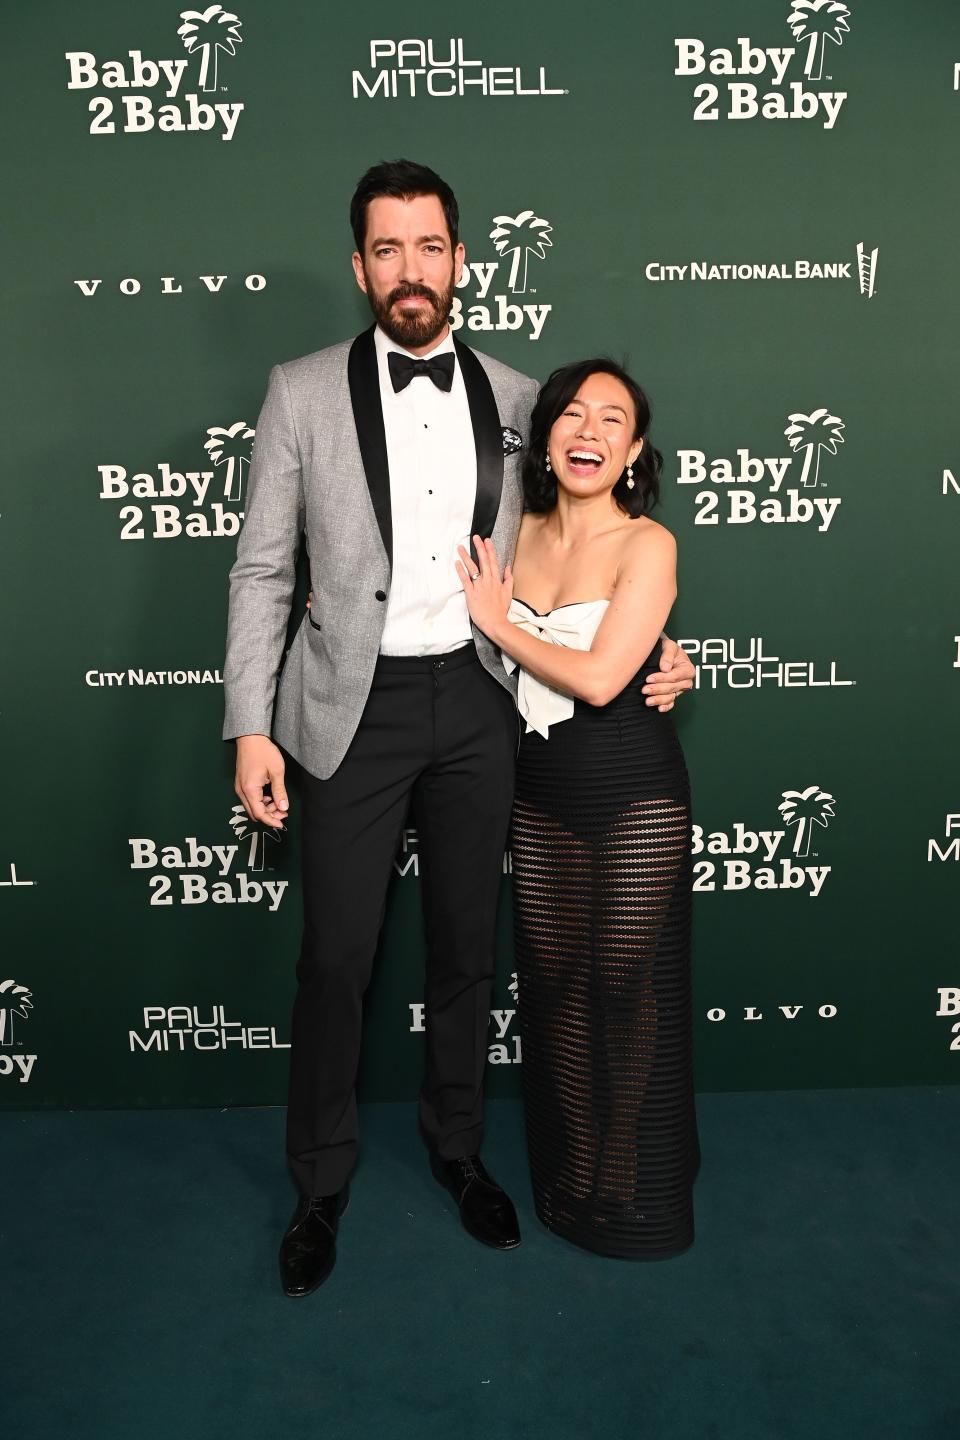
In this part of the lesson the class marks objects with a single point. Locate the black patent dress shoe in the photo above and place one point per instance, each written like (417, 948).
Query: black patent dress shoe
(486, 1211)
(308, 1251)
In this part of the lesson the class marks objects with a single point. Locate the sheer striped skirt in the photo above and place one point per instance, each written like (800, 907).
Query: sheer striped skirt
(602, 890)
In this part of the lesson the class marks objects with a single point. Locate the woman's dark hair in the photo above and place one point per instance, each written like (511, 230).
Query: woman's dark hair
(540, 484)
(401, 180)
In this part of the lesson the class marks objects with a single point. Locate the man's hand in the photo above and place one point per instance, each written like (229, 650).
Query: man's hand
(676, 673)
(259, 765)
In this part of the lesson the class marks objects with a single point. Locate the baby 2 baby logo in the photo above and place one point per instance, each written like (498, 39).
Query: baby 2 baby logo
(502, 288)
(761, 87)
(764, 859)
(160, 101)
(195, 874)
(182, 501)
(732, 489)
(16, 1002)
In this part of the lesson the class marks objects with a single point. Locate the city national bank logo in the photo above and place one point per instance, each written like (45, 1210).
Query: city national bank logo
(187, 1027)
(724, 662)
(732, 489)
(770, 92)
(195, 874)
(206, 35)
(16, 1002)
(504, 1046)
(497, 284)
(439, 69)
(767, 859)
(864, 269)
(187, 504)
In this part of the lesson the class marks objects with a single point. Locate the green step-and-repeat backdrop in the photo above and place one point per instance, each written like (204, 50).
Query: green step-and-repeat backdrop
(755, 203)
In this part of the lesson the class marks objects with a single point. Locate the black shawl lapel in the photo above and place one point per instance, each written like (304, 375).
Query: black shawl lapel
(364, 380)
(488, 439)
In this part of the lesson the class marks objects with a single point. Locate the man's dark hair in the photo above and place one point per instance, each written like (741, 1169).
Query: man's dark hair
(401, 180)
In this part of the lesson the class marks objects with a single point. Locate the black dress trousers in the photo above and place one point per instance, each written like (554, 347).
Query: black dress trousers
(437, 740)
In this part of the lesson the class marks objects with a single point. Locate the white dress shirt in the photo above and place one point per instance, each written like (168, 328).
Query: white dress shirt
(433, 484)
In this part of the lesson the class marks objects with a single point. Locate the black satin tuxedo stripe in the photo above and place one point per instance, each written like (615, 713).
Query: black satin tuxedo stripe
(488, 438)
(364, 380)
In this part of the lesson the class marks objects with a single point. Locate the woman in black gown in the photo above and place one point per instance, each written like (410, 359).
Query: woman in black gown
(601, 826)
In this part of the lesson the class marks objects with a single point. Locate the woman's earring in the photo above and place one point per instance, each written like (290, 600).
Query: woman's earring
(547, 462)
(630, 479)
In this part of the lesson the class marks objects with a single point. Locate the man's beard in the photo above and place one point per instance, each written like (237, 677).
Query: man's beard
(411, 329)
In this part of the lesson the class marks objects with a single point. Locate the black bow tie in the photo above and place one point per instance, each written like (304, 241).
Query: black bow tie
(403, 368)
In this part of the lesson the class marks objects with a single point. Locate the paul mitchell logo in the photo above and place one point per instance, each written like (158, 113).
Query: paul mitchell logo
(186, 1027)
(816, 22)
(950, 850)
(210, 874)
(16, 1002)
(406, 863)
(761, 861)
(15, 883)
(726, 662)
(206, 33)
(736, 502)
(440, 70)
(183, 504)
(518, 239)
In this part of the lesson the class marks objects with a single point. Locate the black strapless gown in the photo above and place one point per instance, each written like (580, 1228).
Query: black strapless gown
(602, 877)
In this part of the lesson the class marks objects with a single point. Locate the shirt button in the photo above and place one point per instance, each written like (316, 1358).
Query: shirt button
(381, 595)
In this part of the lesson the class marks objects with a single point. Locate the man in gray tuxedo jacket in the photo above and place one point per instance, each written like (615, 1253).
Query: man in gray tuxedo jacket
(384, 452)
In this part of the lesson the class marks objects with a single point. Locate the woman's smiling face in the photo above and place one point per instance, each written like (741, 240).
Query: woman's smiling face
(591, 442)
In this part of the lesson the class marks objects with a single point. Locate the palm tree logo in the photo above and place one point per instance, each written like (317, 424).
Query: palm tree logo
(813, 433)
(818, 21)
(242, 826)
(231, 446)
(14, 1000)
(209, 31)
(521, 236)
(806, 808)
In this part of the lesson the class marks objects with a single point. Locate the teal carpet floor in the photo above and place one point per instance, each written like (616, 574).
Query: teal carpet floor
(139, 1295)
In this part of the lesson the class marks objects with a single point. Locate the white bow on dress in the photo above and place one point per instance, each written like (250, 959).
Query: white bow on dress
(572, 626)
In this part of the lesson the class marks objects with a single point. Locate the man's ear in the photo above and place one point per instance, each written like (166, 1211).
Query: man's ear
(358, 271)
(459, 256)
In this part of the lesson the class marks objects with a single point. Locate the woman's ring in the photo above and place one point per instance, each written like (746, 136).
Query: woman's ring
(476, 576)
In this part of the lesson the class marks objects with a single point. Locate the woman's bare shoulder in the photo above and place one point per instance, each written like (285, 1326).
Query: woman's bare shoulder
(648, 537)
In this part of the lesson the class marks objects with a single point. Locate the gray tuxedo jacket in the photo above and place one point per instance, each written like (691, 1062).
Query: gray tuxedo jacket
(319, 471)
